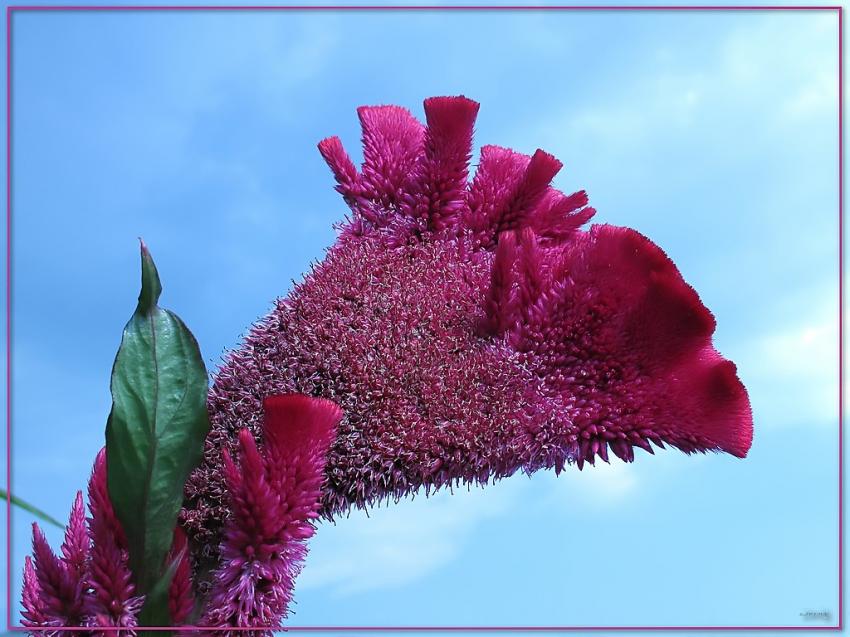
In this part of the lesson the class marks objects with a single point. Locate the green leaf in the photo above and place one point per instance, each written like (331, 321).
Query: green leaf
(26, 506)
(155, 432)
(151, 286)
(155, 611)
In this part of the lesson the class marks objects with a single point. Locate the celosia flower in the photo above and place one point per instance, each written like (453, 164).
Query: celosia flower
(181, 596)
(112, 601)
(274, 497)
(90, 585)
(472, 329)
(54, 586)
(60, 590)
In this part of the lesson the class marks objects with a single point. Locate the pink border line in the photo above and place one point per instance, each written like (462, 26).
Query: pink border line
(202, 7)
(262, 7)
(837, 8)
(840, 318)
(9, 316)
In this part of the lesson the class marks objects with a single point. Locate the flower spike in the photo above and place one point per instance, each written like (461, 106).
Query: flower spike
(440, 191)
(54, 594)
(112, 602)
(181, 597)
(274, 497)
(90, 585)
(392, 142)
(76, 544)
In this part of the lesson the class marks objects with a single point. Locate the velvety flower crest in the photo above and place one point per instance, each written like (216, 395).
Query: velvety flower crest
(470, 328)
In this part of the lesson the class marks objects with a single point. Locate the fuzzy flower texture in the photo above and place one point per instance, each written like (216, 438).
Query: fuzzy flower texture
(470, 328)
(90, 585)
(273, 495)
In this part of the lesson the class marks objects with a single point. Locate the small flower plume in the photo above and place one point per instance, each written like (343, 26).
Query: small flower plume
(470, 328)
(181, 596)
(274, 495)
(89, 585)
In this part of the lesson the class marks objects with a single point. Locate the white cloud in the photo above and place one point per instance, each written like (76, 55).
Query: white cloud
(402, 542)
(817, 95)
(601, 486)
(784, 68)
(792, 370)
(792, 62)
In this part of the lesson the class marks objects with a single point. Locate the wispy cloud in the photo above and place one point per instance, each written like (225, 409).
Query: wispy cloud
(793, 367)
(604, 484)
(784, 69)
(794, 60)
(595, 488)
(400, 543)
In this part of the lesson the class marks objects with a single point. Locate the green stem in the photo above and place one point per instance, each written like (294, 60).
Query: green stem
(26, 506)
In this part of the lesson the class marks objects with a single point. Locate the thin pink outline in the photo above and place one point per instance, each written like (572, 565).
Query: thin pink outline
(839, 9)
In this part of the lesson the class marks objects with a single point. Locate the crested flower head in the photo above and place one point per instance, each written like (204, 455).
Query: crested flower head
(274, 495)
(471, 328)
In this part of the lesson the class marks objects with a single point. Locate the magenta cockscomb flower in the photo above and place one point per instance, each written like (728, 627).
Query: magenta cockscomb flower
(112, 601)
(54, 587)
(274, 496)
(470, 329)
(181, 595)
(90, 584)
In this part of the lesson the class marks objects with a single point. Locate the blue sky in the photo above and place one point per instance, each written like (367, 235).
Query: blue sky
(712, 133)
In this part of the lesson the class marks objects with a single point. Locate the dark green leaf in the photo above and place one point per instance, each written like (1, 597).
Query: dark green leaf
(26, 506)
(156, 429)
(155, 611)
(151, 286)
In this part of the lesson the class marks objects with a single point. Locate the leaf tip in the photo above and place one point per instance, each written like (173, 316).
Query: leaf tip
(151, 286)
